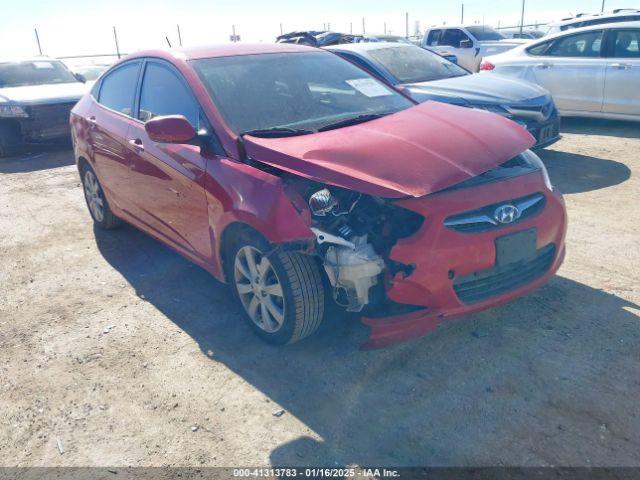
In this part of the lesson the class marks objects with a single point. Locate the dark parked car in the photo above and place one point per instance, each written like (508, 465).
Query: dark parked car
(318, 38)
(425, 75)
(36, 97)
(300, 179)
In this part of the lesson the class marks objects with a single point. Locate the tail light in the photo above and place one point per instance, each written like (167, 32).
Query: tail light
(487, 66)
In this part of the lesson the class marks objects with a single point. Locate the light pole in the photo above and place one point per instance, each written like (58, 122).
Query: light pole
(603, 2)
(522, 17)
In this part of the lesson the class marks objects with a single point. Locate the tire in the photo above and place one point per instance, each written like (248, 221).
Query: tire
(10, 140)
(97, 204)
(302, 292)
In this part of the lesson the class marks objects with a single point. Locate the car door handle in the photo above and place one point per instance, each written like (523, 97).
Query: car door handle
(621, 66)
(137, 144)
(544, 65)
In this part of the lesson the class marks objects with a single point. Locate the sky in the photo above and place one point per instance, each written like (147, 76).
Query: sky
(82, 27)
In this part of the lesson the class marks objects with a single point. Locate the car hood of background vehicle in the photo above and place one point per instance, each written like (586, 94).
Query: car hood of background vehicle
(477, 90)
(414, 152)
(41, 94)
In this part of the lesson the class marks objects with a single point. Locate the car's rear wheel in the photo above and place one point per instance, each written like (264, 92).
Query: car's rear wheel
(281, 293)
(10, 140)
(98, 206)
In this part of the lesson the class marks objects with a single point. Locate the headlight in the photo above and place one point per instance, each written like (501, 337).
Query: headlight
(533, 160)
(493, 109)
(13, 111)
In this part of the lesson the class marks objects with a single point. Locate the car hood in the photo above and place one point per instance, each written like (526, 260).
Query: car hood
(414, 152)
(40, 94)
(476, 89)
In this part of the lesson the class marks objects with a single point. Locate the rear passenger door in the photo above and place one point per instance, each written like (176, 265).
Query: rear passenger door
(170, 177)
(572, 69)
(109, 123)
(622, 76)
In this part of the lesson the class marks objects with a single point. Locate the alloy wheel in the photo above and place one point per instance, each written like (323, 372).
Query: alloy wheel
(93, 194)
(259, 289)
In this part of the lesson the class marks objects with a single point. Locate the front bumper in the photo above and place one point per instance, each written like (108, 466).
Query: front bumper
(546, 133)
(441, 256)
(46, 122)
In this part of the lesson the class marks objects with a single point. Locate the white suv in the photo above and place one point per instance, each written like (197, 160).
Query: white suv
(586, 20)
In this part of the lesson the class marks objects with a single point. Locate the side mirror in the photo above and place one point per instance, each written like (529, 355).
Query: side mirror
(170, 129)
(466, 43)
(80, 77)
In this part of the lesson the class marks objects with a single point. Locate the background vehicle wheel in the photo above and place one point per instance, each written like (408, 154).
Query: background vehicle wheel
(10, 140)
(96, 201)
(281, 292)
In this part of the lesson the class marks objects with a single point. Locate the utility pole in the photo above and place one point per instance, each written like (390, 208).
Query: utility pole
(351, 28)
(462, 15)
(281, 30)
(179, 35)
(363, 27)
(38, 40)
(603, 2)
(522, 18)
(406, 24)
(115, 37)
(385, 28)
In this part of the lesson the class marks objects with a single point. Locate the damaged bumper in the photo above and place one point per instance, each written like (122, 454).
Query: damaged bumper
(461, 270)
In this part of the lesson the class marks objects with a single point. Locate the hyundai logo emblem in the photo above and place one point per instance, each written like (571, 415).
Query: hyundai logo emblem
(506, 213)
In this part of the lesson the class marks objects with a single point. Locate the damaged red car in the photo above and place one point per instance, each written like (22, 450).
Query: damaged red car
(300, 180)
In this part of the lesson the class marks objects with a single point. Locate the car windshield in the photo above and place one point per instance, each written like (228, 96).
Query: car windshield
(37, 72)
(294, 92)
(411, 64)
(92, 72)
(484, 33)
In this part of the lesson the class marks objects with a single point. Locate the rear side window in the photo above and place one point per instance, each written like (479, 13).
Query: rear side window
(118, 88)
(434, 37)
(164, 93)
(626, 43)
(581, 45)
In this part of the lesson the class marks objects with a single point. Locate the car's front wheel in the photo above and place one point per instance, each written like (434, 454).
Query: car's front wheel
(98, 206)
(282, 293)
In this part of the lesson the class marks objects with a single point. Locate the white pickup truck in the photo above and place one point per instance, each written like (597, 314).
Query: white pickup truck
(468, 43)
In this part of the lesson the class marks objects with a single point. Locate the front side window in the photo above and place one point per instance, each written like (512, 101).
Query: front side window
(117, 89)
(303, 91)
(539, 49)
(586, 44)
(626, 43)
(452, 37)
(410, 64)
(37, 72)
(163, 93)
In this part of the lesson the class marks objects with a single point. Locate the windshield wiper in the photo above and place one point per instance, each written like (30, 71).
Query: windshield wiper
(275, 132)
(353, 121)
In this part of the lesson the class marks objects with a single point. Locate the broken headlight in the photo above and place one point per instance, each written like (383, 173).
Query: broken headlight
(13, 111)
(322, 202)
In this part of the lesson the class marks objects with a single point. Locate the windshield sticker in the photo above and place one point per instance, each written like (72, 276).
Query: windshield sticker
(43, 65)
(369, 87)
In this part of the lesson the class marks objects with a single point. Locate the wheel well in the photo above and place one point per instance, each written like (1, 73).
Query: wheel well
(231, 232)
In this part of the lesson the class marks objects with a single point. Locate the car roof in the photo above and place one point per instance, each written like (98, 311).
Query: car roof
(573, 31)
(27, 59)
(224, 50)
(594, 16)
(367, 46)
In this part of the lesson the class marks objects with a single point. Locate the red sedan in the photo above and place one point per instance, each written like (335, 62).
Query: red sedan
(300, 180)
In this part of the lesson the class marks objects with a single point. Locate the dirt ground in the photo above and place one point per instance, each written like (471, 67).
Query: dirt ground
(115, 351)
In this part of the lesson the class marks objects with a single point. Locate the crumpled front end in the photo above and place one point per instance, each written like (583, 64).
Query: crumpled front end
(464, 260)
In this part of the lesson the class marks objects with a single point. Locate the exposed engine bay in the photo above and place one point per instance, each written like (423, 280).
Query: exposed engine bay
(354, 236)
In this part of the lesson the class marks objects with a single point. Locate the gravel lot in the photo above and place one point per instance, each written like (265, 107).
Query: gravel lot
(116, 351)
